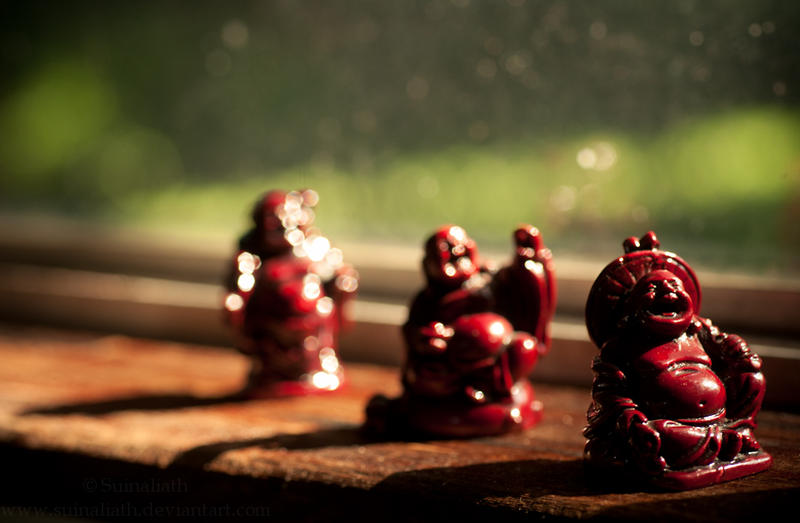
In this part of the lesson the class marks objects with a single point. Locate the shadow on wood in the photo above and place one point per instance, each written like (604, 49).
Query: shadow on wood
(776, 505)
(506, 479)
(144, 402)
(333, 437)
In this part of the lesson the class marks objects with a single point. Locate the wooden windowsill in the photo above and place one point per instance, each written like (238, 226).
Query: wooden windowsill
(92, 425)
(742, 303)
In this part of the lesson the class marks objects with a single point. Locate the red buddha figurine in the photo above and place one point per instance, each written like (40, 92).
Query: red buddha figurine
(287, 296)
(473, 335)
(674, 399)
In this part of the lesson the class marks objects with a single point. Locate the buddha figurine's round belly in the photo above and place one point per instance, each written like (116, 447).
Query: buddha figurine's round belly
(684, 391)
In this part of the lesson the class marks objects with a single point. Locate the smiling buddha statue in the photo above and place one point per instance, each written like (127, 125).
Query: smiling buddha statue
(674, 398)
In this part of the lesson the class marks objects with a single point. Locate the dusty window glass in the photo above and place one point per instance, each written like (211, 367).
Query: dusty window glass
(592, 120)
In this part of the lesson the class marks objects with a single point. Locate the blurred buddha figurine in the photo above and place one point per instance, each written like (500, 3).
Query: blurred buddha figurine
(287, 298)
(674, 399)
(472, 337)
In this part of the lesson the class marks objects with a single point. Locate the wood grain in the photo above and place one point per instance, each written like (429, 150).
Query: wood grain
(155, 425)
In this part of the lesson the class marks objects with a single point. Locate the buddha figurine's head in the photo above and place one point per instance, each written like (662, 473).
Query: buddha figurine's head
(660, 305)
(653, 292)
(282, 219)
(451, 257)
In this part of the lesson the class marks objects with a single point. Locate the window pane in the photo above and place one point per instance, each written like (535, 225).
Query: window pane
(593, 121)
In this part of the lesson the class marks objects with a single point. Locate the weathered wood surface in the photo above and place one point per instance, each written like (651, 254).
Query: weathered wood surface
(113, 426)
